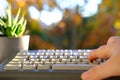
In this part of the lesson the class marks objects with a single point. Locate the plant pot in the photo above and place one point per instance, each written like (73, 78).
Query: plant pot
(10, 46)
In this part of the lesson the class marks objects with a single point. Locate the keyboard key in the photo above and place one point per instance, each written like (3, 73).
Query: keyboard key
(71, 66)
(43, 67)
(28, 67)
(12, 67)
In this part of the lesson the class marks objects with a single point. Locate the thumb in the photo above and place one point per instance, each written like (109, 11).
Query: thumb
(99, 72)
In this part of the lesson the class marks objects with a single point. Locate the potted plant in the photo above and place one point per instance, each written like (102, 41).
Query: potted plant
(12, 29)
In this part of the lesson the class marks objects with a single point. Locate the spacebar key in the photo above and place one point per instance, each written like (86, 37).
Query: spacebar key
(72, 66)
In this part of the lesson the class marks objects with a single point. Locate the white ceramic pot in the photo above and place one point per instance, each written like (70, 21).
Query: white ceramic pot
(10, 46)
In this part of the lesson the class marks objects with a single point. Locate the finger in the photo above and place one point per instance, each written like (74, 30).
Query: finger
(113, 39)
(101, 52)
(99, 72)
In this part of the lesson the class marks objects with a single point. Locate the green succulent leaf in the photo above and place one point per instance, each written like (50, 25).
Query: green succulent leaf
(2, 23)
(16, 18)
(9, 14)
(12, 27)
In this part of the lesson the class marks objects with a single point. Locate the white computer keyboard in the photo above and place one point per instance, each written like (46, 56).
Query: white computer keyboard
(51, 60)
(48, 65)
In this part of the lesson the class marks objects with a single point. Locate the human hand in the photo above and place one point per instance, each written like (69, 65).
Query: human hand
(111, 67)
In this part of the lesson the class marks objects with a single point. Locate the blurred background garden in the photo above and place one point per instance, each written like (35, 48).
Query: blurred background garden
(68, 24)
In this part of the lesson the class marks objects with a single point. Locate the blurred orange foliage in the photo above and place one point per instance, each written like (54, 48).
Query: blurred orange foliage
(73, 31)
